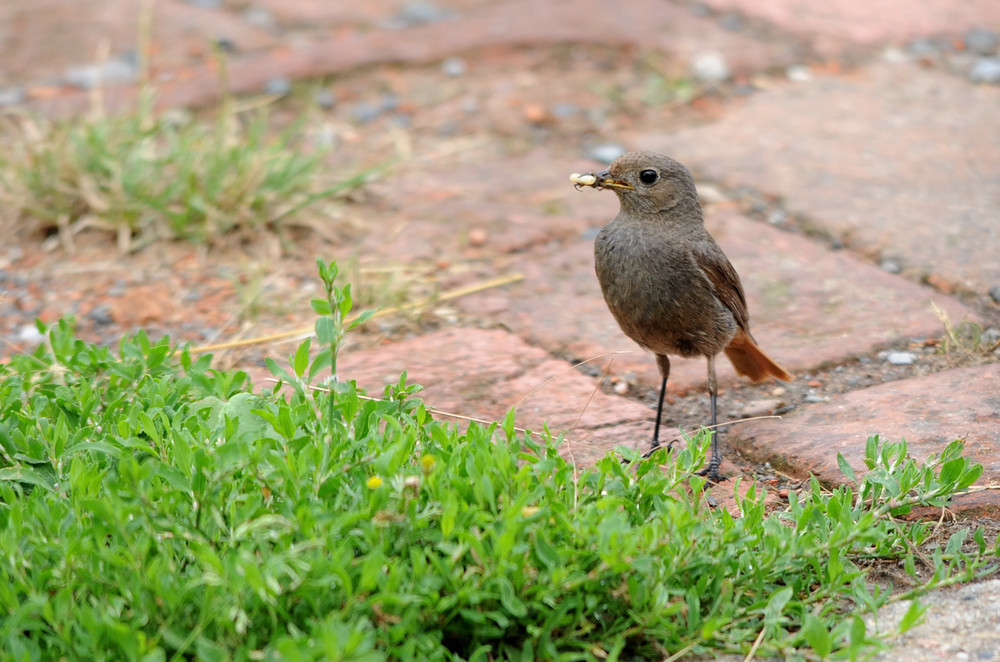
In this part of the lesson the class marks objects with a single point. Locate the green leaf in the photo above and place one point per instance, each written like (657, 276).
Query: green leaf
(300, 362)
(912, 616)
(776, 604)
(845, 468)
(817, 636)
(326, 331)
(970, 476)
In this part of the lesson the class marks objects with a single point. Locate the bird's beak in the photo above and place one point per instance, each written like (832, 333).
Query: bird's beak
(599, 180)
(604, 180)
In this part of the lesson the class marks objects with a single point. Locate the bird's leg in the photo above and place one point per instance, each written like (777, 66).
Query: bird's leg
(712, 470)
(664, 364)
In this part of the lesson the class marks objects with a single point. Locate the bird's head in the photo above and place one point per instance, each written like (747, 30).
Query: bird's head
(645, 182)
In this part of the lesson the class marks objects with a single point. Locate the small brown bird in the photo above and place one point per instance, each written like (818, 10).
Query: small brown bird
(666, 281)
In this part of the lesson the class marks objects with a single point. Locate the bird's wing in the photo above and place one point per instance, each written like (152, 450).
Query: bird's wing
(714, 264)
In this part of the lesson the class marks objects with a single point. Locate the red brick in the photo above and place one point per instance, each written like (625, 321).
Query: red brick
(928, 412)
(892, 161)
(828, 23)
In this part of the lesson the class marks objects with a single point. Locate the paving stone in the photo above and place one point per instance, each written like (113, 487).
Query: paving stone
(828, 23)
(889, 159)
(179, 32)
(483, 373)
(809, 307)
(929, 412)
(647, 24)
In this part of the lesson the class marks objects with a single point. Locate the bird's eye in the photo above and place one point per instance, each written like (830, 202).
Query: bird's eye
(648, 176)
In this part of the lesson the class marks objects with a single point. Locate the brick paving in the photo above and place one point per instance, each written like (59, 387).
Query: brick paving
(882, 160)
(891, 159)
(880, 168)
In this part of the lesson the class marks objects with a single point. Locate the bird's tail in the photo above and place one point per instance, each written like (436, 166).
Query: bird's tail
(750, 361)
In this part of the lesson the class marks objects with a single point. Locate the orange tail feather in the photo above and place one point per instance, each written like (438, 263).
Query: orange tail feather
(750, 361)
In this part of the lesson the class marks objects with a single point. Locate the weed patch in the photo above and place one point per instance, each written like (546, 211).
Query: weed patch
(149, 175)
(153, 508)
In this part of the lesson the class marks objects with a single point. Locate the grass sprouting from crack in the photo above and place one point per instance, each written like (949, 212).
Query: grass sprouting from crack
(148, 175)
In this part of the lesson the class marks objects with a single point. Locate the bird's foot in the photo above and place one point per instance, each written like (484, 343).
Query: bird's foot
(711, 472)
(655, 446)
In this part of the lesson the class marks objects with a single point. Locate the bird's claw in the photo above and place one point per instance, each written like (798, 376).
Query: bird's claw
(713, 475)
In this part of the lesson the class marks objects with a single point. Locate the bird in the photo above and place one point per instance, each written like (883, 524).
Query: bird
(667, 282)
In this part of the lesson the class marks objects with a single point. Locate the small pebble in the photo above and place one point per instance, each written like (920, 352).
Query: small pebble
(278, 86)
(710, 67)
(226, 45)
(990, 337)
(118, 289)
(798, 73)
(417, 13)
(710, 194)
(621, 388)
(983, 42)
(205, 4)
(11, 96)
(731, 22)
(890, 265)
(783, 493)
(924, 46)
(536, 113)
(995, 293)
(894, 55)
(101, 315)
(986, 70)
(777, 217)
(325, 98)
(477, 237)
(364, 112)
(813, 399)
(389, 102)
(112, 72)
(605, 152)
(700, 9)
(453, 66)
(29, 335)
(259, 16)
(565, 109)
(760, 407)
(901, 358)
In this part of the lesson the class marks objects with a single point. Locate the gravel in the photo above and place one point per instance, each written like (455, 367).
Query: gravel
(986, 70)
(925, 46)
(731, 22)
(890, 265)
(983, 42)
(995, 293)
(11, 96)
(710, 67)
(325, 98)
(278, 86)
(101, 315)
(798, 73)
(417, 13)
(260, 17)
(606, 152)
(116, 71)
(960, 624)
(29, 335)
(453, 66)
(901, 358)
